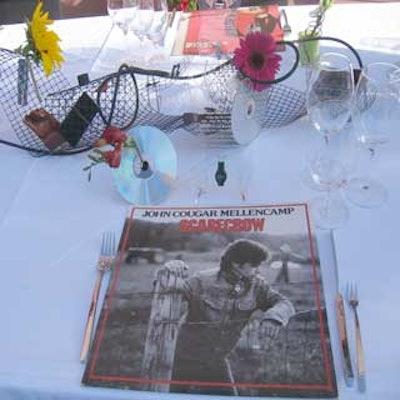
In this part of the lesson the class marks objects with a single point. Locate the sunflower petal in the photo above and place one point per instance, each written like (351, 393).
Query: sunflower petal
(44, 41)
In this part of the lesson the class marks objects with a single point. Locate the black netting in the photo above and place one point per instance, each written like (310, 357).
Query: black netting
(9, 94)
(132, 96)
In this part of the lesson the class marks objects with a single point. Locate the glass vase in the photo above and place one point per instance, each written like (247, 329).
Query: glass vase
(308, 50)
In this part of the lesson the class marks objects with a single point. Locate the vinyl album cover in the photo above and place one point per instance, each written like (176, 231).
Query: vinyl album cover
(218, 301)
(209, 32)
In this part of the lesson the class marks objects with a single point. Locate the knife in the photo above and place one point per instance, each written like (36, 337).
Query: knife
(344, 342)
(341, 320)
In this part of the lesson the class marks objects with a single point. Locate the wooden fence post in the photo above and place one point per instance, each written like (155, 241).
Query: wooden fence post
(162, 330)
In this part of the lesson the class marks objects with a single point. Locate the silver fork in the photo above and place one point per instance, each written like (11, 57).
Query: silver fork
(352, 298)
(106, 258)
(286, 27)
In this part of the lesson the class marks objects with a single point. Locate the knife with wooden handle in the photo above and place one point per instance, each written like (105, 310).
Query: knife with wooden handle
(344, 343)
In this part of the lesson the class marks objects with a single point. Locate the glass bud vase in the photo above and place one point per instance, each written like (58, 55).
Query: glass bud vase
(309, 50)
(309, 53)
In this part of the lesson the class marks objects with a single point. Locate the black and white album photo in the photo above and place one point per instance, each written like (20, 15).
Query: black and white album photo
(222, 301)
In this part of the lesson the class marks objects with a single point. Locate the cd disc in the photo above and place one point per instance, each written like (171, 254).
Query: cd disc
(149, 179)
(246, 119)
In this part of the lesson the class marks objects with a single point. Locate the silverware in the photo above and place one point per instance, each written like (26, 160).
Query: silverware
(106, 258)
(286, 27)
(344, 341)
(171, 18)
(341, 321)
(352, 299)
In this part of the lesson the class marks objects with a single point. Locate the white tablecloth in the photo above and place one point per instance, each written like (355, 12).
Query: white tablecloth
(51, 221)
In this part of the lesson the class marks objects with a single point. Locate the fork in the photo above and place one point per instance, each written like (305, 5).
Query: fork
(352, 298)
(106, 258)
(286, 27)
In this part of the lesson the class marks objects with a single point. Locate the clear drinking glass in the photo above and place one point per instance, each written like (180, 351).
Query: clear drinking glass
(329, 103)
(158, 54)
(122, 13)
(376, 117)
(118, 45)
(159, 25)
(144, 18)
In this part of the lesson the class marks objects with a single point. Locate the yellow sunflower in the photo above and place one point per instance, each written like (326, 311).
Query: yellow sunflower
(43, 42)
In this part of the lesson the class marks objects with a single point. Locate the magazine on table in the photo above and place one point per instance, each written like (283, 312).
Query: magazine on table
(217, 301)
(218, 31)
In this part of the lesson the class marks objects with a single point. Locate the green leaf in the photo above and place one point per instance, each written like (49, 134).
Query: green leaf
(94, 159)
(326, 3)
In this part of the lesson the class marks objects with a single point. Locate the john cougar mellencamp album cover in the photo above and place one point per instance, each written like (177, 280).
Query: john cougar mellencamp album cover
(218, 301)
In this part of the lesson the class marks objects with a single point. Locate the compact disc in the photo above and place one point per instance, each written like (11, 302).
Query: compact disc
(147, 180)
(246, 119)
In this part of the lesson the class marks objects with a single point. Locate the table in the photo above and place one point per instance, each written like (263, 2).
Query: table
(51, 221)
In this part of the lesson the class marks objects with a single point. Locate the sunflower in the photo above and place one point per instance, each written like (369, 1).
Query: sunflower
(256, 58)
(43, 43)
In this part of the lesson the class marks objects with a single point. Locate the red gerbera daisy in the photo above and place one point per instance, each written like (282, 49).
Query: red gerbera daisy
(256, 58)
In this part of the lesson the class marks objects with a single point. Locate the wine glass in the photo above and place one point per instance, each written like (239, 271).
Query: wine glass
(376, 115)
(116, 46)
(329, 103)
(122, 13)
(159, 25)
(157, 32)
(144, 18)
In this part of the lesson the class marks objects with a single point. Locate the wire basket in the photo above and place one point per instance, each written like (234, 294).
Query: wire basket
(133, 96)
(14, 109)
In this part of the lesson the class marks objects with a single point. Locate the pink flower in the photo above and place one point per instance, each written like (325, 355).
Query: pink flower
(256, 58)
(114, 135)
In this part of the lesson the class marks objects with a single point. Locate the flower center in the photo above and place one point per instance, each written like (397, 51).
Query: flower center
(257, 60)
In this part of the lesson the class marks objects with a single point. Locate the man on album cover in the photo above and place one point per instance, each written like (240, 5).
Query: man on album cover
(220, 303)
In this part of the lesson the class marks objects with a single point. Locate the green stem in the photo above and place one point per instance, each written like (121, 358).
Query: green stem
(32, 75)
(134, 145)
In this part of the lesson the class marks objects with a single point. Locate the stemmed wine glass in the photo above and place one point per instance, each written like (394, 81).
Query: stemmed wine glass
(144, 18)
(117, 46)
(122, 13)
(376, 116)
(157, 32)
(159, 24)
(329, 103)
